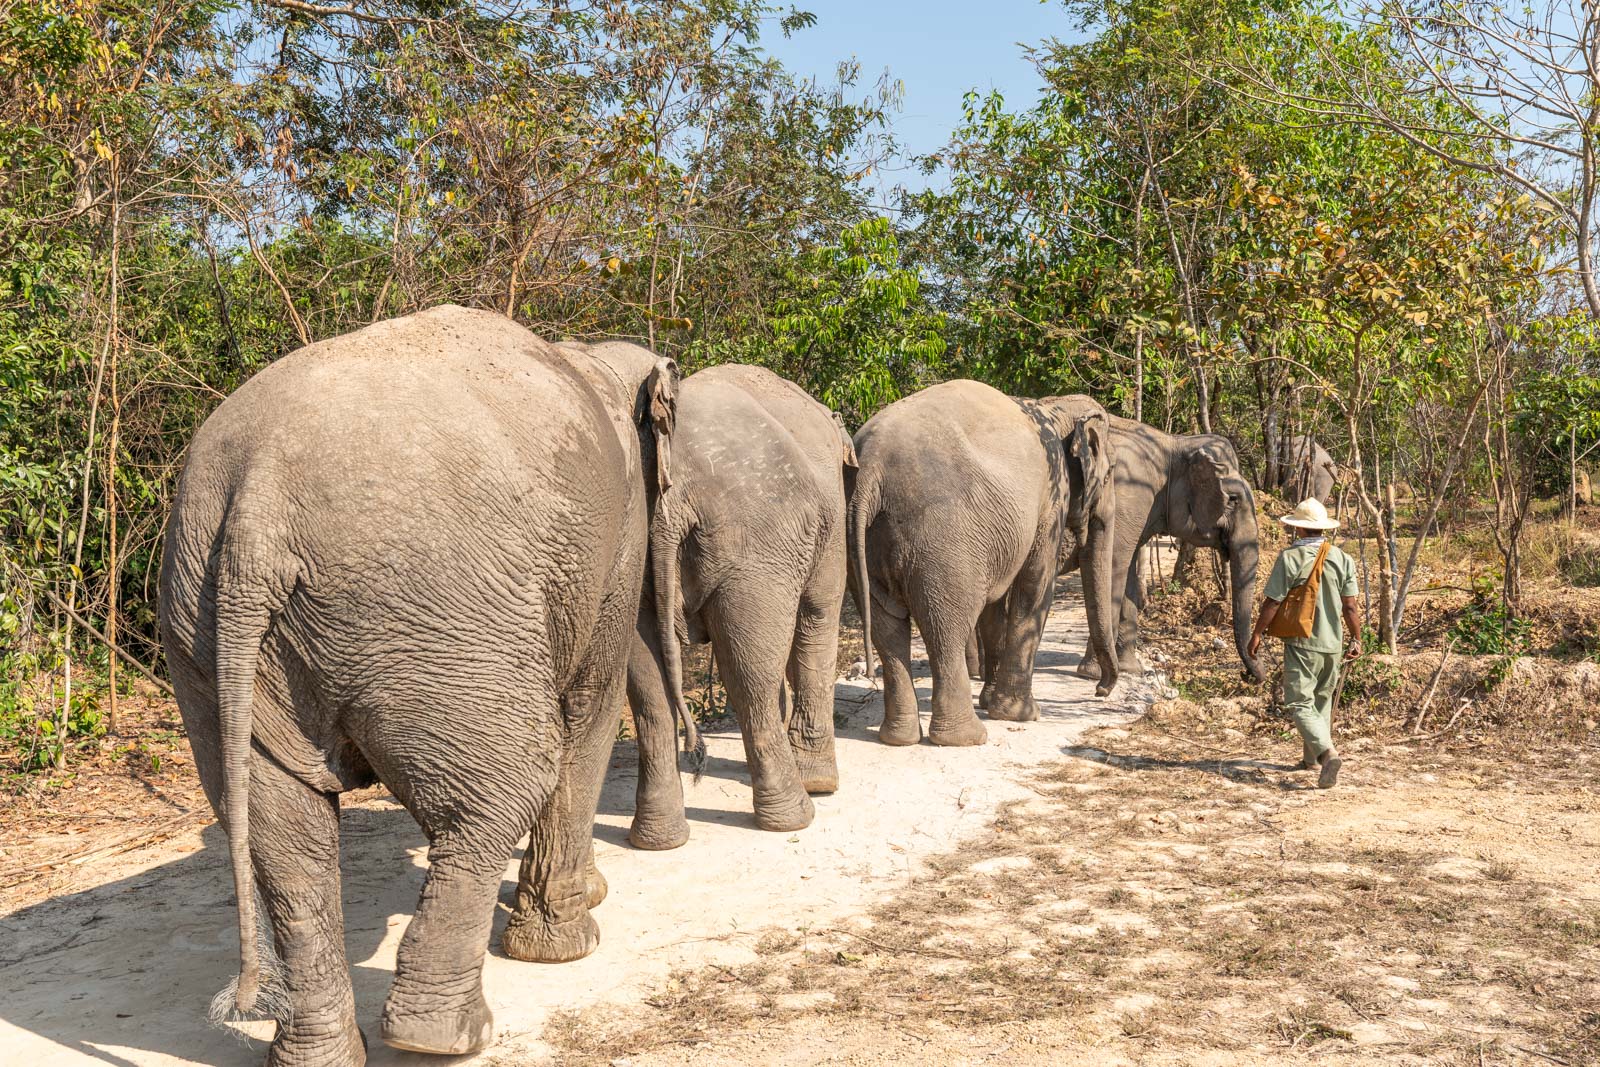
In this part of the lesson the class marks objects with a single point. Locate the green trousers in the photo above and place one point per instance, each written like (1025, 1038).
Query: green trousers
(1309, 681)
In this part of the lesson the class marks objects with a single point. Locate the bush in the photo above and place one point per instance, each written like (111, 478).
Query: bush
(1486, 628)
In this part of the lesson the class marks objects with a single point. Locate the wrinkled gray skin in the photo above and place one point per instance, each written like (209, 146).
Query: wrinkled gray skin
(748, 544)
(413, 554)
(966, 506)
(1190, 488)
(1305, 470)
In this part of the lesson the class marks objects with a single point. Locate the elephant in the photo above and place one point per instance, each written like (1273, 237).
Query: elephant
(413, 554)
(1304, 469)
(747, 552)
(966, 506)
(1191, 488)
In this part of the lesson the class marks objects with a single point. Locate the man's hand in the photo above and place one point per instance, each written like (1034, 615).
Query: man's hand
(1255, 644)
(1352, 626)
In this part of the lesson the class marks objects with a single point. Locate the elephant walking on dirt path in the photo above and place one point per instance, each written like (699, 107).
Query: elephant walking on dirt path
(1191, 488)
(748, 553)
(413, 555)
(966, 506)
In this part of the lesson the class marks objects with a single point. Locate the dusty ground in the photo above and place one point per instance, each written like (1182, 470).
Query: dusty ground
(1172, 899)
(119, 964)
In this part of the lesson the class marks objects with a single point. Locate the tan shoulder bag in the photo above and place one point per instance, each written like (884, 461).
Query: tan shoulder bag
(1298, 612)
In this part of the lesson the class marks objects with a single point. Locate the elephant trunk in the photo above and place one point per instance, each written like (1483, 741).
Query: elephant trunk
(1242, 557)
(1098, 602)
(665, 540)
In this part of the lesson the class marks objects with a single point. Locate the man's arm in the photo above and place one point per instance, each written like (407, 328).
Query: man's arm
(1269, 611)
(1352, 626)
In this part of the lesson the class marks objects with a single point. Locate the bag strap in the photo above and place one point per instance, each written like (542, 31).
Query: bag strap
(1322, 556)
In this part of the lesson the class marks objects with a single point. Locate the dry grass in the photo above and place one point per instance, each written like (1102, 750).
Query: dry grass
(1157, 894)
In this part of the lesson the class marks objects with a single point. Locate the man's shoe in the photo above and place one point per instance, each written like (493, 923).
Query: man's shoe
(1330, 769)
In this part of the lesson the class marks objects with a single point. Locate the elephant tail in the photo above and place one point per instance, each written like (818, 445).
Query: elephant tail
(665, 540)
(864, 502)
(243, 614)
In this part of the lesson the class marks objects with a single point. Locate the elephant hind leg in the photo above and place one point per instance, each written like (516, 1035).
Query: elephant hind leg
(294, 846)
(658, 818)
(436, 1003)
(953, 721)
(813, 663)
(752, 635)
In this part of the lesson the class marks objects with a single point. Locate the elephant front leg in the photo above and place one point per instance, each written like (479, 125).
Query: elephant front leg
(658, 819)
(988, 635)
(294, 846)
(1020, 628)
(891, 637)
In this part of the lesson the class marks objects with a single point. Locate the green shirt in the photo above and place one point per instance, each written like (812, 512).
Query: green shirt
(1338, 581)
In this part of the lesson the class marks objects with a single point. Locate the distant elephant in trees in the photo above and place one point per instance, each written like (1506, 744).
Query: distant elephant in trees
(413, 555)
(1304, 470)
(1186, 487)
(747, 552)
(966, 506)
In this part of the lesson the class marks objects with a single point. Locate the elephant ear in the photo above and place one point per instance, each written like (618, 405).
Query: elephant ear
(1209, 502)
(847, 443)
(661, 390)
(1090, 446)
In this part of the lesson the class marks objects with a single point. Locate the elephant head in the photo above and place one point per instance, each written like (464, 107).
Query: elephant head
(1088, 543)
(1212, 505)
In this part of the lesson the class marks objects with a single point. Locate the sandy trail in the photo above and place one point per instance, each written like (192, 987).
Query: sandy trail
(122, 972)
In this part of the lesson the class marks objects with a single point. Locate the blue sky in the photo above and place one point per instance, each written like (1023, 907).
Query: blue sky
(938, 48)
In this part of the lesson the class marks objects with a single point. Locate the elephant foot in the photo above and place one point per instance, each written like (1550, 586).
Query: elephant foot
(1013, 708)
(785, 816)
(595, 887)
(658, 835)
(535, 941)
(985, 695)
(311, 1046)
(445, 1032)
(968, 731)
(1087, 667)
(900, 731)
(819, 770)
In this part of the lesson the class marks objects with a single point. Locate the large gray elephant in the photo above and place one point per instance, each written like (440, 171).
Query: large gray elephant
(747, 552)
(1191, 488)
(1304, 469)
(413, 555)
(966, 506)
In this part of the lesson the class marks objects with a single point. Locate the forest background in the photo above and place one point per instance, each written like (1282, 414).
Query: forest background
(1375, 224)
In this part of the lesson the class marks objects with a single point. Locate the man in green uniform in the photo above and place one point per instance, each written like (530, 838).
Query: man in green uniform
(1311, 664)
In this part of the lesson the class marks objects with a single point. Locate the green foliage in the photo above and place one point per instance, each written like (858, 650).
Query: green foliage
(848, 325)
(1485, 627)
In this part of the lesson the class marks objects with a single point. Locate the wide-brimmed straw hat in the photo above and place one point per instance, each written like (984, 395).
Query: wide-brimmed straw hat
(1309, 514)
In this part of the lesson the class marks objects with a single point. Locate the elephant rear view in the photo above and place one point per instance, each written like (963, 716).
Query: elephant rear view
(961, 517)
(747, 549)
(412, 554)
(1305, 469)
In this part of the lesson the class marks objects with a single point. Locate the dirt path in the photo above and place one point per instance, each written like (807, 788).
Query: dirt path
(122, 972)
